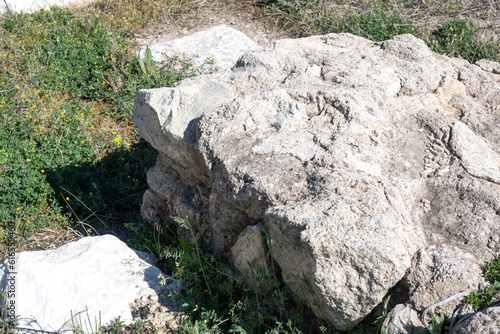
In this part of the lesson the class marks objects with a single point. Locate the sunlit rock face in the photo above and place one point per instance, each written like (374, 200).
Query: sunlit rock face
(95, 279)
(368, 163)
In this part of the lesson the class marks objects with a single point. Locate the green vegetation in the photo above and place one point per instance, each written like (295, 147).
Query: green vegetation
(437, 323)
(377, 22)
(88, 326)
(67, 147)
(459, 38)
(380, 319)
(377, 26)
(71, 158)
(84, 326)
(483, 298)
(492, 270)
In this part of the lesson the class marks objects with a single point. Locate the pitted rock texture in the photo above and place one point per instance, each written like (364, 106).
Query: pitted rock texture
(362, 160)
(251, 258)
(486, 321)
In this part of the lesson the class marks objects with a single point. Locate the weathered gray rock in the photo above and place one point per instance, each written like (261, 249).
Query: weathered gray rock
(93, 278)
(489, 66)
(250, 254)
(358, 157)
(403, 320)
(440, 273)
(476, 156)
(483, 322)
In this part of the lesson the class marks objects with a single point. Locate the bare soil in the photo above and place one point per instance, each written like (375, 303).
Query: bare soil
(243, 15)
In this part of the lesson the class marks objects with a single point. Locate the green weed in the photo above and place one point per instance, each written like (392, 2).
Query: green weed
(480, 299)
(132, 13)
(140, 327)
(379, 21)
(148, 65)
(380, 319)
(79, 56)
(117, 326)
(437, 323)
(377, 26)
(438, 7)
(492, 270)
(460, 38)
(85, 326)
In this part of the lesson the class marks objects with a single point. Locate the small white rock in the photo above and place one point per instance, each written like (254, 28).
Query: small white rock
(222, 43)
(92, 278)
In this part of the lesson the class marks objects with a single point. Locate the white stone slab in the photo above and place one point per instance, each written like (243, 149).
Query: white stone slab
(90, 278)
(30, 6)
(222, 43)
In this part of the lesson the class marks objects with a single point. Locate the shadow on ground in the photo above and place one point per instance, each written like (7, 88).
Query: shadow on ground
(105, 197)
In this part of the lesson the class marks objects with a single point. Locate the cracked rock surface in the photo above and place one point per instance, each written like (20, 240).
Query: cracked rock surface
(368, 163)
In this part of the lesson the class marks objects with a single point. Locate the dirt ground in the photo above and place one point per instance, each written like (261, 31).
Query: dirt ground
(264, 27)
(242, 15)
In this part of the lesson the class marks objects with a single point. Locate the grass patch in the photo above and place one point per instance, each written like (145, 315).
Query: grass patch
(377, 26)
(82, 324)
(379, 21)
(492, 270)
(459, 38)
(124, 14)
(68, 149)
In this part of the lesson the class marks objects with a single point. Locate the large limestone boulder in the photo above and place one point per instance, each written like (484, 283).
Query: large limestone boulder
(369, 164)
(94, 278)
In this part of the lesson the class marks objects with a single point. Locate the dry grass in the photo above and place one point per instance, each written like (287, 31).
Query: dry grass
(302, 19)
(132, 13)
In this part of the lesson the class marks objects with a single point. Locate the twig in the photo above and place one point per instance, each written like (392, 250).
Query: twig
(93, 213)
(78, 218)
